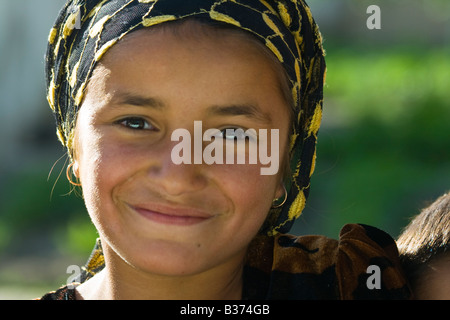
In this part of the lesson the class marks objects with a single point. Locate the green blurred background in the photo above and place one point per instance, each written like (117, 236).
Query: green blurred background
(383, 150)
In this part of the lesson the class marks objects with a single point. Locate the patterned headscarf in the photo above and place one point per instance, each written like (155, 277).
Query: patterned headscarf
(86, 29)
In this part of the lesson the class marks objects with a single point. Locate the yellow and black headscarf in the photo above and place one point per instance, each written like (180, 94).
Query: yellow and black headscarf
(86, 29)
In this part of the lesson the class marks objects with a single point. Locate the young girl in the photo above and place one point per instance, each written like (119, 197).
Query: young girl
(138, 85)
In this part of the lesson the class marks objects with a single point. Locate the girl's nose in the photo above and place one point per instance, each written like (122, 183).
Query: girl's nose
(177, 179)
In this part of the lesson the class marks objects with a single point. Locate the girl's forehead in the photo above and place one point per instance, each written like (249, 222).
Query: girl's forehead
(148, 64)
(147, 53)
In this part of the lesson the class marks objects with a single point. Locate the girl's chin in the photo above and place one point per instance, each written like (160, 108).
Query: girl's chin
(162, 257)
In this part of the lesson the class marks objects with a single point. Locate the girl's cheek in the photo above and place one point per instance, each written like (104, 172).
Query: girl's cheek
(243, 182)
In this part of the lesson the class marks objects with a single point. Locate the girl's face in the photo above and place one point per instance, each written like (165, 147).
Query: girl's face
(158, 216)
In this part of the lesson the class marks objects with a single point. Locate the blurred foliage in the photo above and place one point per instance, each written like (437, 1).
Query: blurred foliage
(384, 149)
(47, 209)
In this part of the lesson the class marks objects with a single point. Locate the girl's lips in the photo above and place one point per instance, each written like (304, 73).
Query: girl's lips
(171, 215)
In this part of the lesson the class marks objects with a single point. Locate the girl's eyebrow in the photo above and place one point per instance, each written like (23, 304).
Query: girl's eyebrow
(123, 97)
(248, 110)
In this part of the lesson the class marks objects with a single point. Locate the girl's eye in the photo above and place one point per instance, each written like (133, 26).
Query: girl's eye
(237, 134)
(232, 134)
(136, 123)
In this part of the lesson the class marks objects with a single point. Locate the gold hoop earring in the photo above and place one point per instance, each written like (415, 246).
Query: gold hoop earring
(276, 206)
(68, 176)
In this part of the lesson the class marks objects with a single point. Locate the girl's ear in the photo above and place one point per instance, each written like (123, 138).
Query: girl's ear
(280, 196)
(76, 169)
(281, 190)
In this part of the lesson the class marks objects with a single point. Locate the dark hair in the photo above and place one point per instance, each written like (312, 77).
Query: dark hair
(425, 239)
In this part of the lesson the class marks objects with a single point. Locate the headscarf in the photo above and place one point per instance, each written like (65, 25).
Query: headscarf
(86, 29)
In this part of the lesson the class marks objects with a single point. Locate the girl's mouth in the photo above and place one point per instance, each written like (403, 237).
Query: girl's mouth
(171, 215)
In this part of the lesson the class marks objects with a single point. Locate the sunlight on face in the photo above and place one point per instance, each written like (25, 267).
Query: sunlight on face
(158, 216)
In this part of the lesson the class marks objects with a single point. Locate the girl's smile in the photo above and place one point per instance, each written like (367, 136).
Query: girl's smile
(172, 215)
